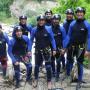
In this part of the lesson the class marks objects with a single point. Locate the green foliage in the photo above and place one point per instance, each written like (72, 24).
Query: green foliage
(4, 8)
(88, 1)
(32, 21)
(65, 4)
(86, 62)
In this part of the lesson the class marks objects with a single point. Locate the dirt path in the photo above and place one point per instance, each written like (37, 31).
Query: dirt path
(42, 85)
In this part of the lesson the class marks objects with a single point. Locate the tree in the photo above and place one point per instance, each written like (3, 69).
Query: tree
(65, 4)
(4, 6)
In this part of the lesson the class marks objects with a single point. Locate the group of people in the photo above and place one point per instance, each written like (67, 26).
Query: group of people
(52, 41)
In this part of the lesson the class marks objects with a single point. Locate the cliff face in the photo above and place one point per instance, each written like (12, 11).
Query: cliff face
(30, 7)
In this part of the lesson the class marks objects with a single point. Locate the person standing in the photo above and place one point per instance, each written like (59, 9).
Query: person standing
(48, 15)
(78, 35)
(26, 28)
(44, 38)
(59, 35)
(69, 19)
(3, 51)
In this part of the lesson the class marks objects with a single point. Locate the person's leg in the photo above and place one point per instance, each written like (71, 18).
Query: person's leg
(80, 59)
(69, 63)
(26, 61)
(38, 61)
(48, 68)
(80, 71)
(29, 71)
(80, 66)
(4, 65)
(69, 67)
(53, 65)
(63, 62)
(17, 74)
(58, 65)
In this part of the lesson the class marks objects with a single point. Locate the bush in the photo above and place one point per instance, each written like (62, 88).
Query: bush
(65, 4)
(4, 8)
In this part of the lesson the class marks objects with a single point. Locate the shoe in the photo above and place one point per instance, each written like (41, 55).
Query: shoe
(29, 81)
(74, 80)
(78, 86)
(68, 80)
(5, 79)
(57, 78)
(17, 86)
(83, 81)
(35, 83)
(53, 75)
(63, 69)
(49, 85)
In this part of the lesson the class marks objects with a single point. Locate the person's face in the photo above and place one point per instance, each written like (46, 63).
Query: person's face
(41, 22)
(23, 21)
(69, 16)
(48, 15)
(55, 21)
(80, 15)
(19, 33)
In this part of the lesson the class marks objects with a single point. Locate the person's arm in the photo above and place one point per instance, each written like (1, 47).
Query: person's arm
(29, 28)
(63, 33)
(67, 39)
(32, 37)
(52, 38)
(88, 36)
(10, 47)
(6, 38)
(88, 41)
(27, 41)
(28, 45)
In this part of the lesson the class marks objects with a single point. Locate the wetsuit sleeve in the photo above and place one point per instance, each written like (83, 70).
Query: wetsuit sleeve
(88, 36)
(6, 38)
(63, 33)
(29, 28)
(10, 47)
(32, 38)
(67, 39)
(52, 39)
(28, 42)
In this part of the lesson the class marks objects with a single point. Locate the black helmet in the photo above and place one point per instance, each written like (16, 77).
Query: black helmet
(80, 9)
(69, 11)
(41, 17)
(17, 28)
(48, 11)
(56, 16)
(22, 17)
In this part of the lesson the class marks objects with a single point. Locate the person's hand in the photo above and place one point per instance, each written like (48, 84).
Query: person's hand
(62, 51)
(29, 53)
(16, 63)
(54, 52)
(87, 54)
